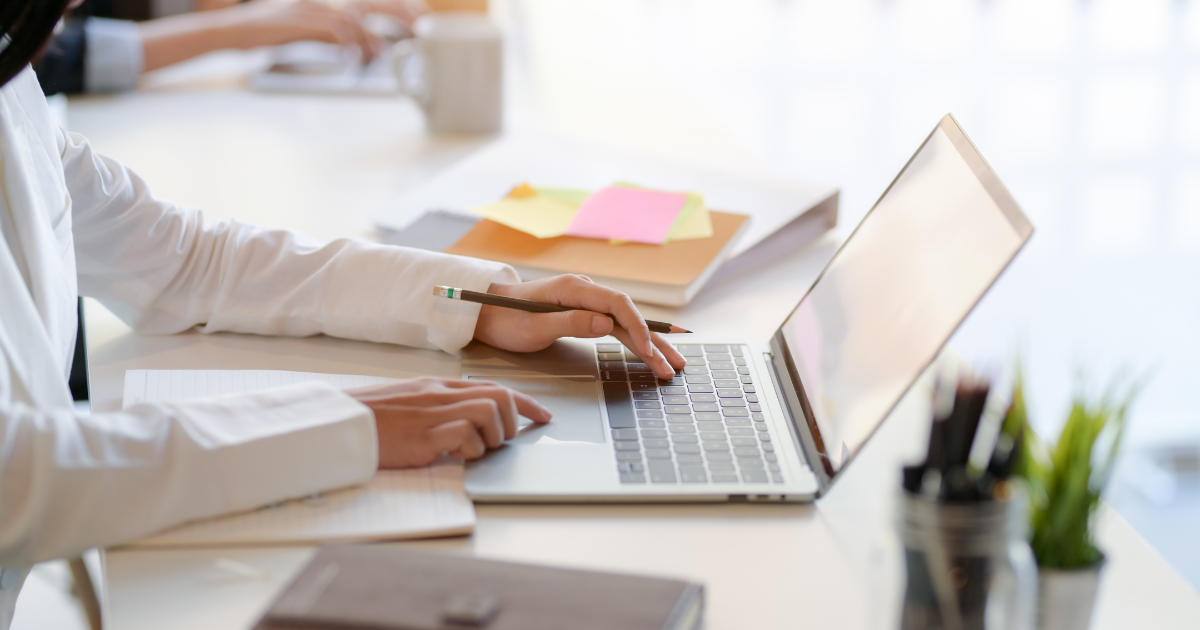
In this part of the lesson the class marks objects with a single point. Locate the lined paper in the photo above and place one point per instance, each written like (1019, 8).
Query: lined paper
(396, 504)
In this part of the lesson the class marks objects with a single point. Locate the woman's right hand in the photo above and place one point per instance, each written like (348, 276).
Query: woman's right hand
(420, 419)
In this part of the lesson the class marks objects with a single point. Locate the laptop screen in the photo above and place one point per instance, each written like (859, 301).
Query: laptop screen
(896, 291)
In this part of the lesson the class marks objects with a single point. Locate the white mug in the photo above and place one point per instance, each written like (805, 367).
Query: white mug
(454, 68)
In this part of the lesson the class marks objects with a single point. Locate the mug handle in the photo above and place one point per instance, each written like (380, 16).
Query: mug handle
(403, 52)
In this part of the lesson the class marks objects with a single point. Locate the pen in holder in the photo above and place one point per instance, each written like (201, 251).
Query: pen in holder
(968, 562)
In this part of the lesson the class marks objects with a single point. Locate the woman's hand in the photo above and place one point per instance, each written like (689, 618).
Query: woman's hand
(420, 419)
(519, 331)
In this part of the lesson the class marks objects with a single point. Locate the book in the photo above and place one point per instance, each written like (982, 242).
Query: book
(396, 504)
(784, 214)
(663, 274)
(386, 588)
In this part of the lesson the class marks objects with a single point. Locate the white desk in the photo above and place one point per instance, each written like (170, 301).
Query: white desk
(322, 165)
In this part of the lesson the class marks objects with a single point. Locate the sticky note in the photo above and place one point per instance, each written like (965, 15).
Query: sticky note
(540, 215)
(693, 222)
(627, 214)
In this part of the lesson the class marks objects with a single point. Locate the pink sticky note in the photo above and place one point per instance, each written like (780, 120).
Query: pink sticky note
(627, 214)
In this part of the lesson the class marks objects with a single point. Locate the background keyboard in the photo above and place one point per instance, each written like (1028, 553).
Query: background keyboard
(703, 426)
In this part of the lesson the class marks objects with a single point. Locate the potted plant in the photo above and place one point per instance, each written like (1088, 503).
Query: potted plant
(1064, 483)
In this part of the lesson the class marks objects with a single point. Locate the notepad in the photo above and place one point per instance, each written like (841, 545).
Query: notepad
(628, 214)
(397, 504)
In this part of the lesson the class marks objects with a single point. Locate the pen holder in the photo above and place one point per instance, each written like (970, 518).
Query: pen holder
(968, 565)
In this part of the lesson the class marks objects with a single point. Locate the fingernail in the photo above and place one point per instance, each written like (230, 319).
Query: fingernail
(600, 324)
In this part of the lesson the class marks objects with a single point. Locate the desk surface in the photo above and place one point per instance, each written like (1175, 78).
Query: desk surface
(324, 164)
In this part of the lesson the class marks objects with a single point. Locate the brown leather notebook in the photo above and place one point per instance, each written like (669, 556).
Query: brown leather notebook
(653, 273)
(386, 588)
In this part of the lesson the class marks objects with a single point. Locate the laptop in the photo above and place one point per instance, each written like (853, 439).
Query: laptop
(778, 419)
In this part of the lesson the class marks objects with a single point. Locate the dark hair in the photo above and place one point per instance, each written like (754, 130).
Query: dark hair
(25, 27)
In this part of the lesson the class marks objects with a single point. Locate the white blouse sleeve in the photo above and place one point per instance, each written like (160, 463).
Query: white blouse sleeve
(71, 483)
(162, 269)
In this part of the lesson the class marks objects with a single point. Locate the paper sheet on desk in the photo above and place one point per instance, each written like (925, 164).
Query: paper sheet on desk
(418, 503)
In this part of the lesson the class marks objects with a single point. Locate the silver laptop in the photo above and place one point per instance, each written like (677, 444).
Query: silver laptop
(777, 419)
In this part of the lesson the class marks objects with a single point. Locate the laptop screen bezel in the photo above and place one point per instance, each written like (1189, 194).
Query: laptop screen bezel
(789, 379)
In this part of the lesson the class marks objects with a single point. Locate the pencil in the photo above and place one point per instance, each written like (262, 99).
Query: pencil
(536, 307)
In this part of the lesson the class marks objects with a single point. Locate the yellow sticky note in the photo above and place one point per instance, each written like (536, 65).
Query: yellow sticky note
(693, 222)
(539, 215)
(571, 196)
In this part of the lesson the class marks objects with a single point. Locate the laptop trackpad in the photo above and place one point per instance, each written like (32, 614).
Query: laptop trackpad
(574, 401)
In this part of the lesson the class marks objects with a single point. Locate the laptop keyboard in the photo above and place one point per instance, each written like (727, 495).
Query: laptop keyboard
(703, 426)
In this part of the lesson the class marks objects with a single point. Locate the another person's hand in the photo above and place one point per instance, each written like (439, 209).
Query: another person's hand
(519, 331)
(419, 419)
(271, 23)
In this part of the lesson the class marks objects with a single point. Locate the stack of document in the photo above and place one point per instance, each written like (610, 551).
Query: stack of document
(621, 213)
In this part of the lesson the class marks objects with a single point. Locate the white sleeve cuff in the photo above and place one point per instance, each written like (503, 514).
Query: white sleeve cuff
(113, 59)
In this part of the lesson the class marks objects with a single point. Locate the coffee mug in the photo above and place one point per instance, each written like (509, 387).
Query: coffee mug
(454, 68)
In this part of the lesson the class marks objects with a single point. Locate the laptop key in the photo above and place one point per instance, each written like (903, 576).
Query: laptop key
(688, 458)
(692, 474)
(724, 478)
(635, 456)
(631, 467)
(651, 423)
(706, 407)
(754, 476)
(633, 478)
(625, 434)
